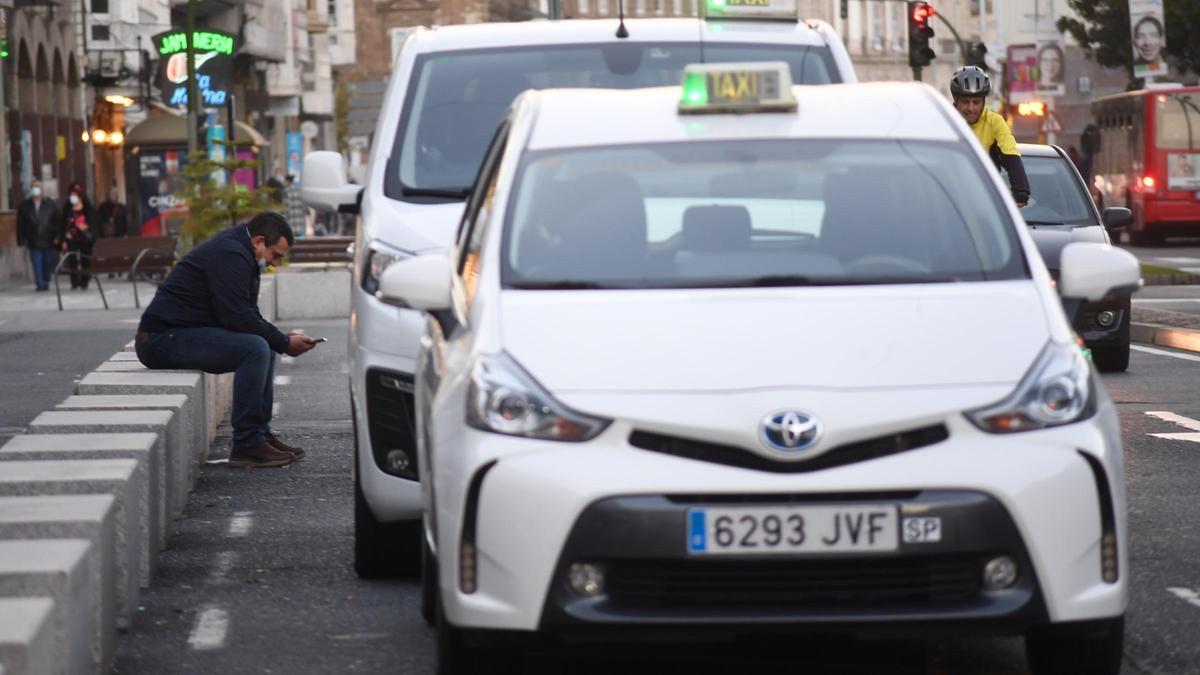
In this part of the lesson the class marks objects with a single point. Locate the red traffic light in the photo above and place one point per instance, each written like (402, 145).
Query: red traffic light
(921, 13)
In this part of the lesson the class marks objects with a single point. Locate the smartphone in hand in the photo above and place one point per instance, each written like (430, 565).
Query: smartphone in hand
(316, 340)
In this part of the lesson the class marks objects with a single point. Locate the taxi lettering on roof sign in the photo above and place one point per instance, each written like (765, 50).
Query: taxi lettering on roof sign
(752, 9)
(737, 88)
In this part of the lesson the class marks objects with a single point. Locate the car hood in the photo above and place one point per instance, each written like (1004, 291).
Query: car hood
(840, 338)
(416, 228)
(1051, 239)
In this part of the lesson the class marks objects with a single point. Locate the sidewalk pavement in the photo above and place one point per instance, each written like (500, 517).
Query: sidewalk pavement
(119, 292)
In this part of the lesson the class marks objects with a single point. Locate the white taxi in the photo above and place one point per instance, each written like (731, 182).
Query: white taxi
(449, 88)
(724, 356)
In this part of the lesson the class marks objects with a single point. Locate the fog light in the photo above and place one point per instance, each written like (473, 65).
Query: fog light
(1106, 318)
(1000, 573)
(466, 568)
(398, 461)
(586, 579)
(1108, 557)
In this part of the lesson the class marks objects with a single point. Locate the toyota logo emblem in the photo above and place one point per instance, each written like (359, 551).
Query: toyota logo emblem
(790, 430)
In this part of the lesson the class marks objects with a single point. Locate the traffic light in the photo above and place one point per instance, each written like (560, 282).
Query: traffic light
(3, 48)
(919, 34)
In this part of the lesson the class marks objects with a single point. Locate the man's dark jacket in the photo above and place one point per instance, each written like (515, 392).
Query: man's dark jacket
(215, 285)
(38, 226)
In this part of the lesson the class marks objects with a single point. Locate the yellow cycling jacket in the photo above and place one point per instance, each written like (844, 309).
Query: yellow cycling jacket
(998, 141)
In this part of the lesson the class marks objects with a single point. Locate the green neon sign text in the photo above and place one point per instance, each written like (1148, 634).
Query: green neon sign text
(205, 41)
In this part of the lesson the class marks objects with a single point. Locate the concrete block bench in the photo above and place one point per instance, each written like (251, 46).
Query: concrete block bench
(89, 517)
(58, 569)
(124, 356)
(181, 473)
(171, 454)
(117, 477)
(26, 636)
(150, 382)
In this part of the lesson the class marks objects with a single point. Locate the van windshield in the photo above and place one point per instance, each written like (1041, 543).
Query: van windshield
(756, 213)
(456, 99)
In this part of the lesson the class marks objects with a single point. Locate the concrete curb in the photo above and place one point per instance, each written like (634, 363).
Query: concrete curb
(1165, 336)
(1171, 279)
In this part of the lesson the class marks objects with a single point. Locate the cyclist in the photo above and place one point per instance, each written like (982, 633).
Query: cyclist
(969, 87)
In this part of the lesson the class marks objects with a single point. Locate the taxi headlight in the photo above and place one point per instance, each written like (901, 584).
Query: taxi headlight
(502, 398)
(1057, 390)
(379, 258)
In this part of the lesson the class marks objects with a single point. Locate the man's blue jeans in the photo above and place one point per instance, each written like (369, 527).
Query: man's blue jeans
(216, 350)
(43, 265)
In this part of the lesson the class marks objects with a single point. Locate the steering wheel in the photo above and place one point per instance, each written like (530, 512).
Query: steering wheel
(886, 264)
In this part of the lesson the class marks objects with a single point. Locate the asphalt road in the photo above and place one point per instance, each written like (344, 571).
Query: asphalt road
(258, 578)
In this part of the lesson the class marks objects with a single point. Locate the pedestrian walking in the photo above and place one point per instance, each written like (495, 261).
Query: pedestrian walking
(205, 317)
(113, 216)
(79, 235)
(40, 230)
(294, 208)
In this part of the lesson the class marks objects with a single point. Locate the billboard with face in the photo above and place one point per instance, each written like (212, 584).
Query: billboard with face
(1149, 37)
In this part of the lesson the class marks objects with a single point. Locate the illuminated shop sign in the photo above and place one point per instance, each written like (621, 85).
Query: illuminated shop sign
(213, 62)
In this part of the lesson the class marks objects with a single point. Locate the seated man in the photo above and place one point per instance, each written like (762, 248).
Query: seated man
(205, 317)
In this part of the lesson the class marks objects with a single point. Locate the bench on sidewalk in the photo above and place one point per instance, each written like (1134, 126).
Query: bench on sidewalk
(121, 255)
(321, 249)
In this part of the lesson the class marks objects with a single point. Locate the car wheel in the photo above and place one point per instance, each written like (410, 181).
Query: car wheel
(382, 549)
(457, 656)
(429, 583)
(1111, 359)
(1090, 648)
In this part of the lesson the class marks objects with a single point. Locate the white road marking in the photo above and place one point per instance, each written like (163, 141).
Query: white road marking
(222, 567)
(1163, 352)
(1148, 301)
(282, 380)
(240, 524)
(1193, 437)
(289, 360)
(1180, 261)
(1186, 594)
(211, 629)
(1167, 416)
(224, 460)
(275, 408)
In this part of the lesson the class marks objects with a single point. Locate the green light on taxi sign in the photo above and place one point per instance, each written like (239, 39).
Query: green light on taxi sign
(737, 88)
(752, 9)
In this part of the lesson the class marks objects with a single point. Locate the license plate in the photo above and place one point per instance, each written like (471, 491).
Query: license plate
(852, 528)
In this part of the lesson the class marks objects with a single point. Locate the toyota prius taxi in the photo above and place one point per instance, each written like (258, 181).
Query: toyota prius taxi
(724, 356)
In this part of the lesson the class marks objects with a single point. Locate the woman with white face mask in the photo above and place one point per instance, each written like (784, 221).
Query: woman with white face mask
(79, 234)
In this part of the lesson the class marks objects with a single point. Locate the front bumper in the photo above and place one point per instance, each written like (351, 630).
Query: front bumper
(651, 579)
(542, 506)
(1113, 335)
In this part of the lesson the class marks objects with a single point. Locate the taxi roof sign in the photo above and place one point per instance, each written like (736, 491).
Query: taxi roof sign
(711, 88)
(752, 9)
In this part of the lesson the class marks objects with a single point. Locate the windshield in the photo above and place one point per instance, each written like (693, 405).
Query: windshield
(756, 213)
(1179, 122)
(1056, 196)
(456, 98)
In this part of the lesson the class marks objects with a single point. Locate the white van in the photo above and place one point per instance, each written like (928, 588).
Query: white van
(449, 88)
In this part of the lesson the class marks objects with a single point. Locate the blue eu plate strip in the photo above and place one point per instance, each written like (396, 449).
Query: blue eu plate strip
(697, 541)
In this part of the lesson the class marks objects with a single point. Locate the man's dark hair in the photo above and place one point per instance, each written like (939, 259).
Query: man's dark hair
(271, 226)
(1153, 21)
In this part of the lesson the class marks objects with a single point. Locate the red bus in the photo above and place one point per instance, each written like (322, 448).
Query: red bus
(1149, 160)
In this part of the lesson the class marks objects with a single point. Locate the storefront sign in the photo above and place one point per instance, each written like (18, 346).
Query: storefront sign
(213, 60)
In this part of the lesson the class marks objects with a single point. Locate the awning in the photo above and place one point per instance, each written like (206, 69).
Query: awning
(172, 130)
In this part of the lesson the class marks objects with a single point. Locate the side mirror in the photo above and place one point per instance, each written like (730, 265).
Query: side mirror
(421, 283)
(323, 183)
(1117, 217)
(1092, 271)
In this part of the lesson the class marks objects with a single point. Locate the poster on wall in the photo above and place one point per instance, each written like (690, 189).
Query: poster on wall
(1183, 171)
(1022, 71)
(1149, 37)
(1050, 69)
(294, 142)
(159, 180)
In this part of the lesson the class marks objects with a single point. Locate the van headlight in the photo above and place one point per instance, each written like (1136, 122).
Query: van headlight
(1057, 390)
(502, 398)
(379, 258)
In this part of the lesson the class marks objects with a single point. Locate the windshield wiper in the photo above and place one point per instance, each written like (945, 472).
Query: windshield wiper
(450, 193)
(798, 280)
(1045, 222)
(558, 285)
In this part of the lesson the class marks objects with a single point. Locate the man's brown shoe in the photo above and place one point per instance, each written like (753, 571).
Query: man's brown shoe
(262, 457)
(284, 447)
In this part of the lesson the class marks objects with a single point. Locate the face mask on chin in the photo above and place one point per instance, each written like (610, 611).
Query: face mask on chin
(262, 264)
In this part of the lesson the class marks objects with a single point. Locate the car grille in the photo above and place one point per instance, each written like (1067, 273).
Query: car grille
(719, 584)
(859, 451)
(390, 415)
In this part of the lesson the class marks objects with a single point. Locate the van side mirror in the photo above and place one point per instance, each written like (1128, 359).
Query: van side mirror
(421, 283)
(1092, 271)
(323, 183)
(1117, 217)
